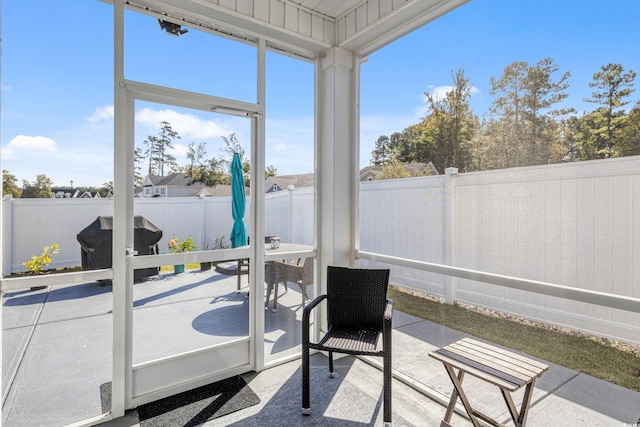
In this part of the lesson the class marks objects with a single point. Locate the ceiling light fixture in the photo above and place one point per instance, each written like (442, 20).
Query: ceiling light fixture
(171, 28)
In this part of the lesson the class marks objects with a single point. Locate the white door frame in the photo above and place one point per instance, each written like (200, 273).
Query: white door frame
(149, 381)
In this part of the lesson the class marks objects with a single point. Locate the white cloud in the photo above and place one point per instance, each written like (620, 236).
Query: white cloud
(77, 153)
(32, 145)
(101, 113)
(439, 92)
(179, 150)
(188, 126)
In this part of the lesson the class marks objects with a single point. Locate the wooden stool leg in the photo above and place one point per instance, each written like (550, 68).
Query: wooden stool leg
(512, 407)
(457, 385)
(453, 400)
(526, 402)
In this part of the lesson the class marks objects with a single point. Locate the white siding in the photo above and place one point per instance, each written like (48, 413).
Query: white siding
(284, 15)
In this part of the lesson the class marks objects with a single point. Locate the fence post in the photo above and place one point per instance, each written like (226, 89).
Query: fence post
(448, 234)
(204, 238)
(291, 213)
(6, 232)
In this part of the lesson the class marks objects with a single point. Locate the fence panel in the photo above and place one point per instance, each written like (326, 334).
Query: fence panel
(573, 224)
(405, 218)
(31, 224)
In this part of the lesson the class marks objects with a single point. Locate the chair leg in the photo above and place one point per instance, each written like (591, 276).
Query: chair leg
(387, 390)
(387, 381)
(306, 406)
(331, 374)
(275, 298)
(239, 276)
(269, 289)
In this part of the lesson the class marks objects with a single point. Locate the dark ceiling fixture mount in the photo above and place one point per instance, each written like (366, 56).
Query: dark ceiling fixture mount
(171, 28)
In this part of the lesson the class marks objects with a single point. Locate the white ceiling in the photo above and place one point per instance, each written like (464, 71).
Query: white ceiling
(333, 8)
(303, 27)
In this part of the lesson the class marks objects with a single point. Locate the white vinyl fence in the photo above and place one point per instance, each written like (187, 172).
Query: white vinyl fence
(574, 224)
(31, 224)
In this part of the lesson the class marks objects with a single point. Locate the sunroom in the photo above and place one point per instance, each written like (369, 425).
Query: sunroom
(336, 37)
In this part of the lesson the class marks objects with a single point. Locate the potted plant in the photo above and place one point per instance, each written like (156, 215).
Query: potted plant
(37, 263)
(218, 243)
(176, 246)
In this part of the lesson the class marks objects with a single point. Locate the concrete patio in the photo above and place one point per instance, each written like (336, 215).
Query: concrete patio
(57, 355)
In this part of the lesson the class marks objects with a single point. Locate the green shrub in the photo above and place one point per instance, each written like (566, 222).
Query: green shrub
(38, 262)
(187, 245)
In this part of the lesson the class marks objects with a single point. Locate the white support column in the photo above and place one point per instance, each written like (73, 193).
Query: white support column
(336, 157)
(122, 225)
(256, 275)
(449, 233)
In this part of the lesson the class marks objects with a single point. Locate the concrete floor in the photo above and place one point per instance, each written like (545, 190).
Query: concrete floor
(57, 354)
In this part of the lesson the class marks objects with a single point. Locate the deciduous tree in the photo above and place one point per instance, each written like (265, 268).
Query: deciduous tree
(39, 189)
(453, 125)
(10, 185)
(394, 170)
(197, 157)
(629, 145)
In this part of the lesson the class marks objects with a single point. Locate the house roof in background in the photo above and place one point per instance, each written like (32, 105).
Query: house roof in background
(284, 181)
(175, 179)
(219, 190)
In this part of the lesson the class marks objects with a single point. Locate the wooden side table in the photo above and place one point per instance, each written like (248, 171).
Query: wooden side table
(507, 370)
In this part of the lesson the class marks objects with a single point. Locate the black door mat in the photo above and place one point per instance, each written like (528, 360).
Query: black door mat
(194, 407)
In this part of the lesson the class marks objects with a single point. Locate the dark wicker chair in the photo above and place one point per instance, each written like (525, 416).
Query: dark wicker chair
(359, 317)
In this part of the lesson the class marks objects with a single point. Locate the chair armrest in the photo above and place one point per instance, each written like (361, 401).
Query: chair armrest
(306, 314)
(388, 310)
(387, 329)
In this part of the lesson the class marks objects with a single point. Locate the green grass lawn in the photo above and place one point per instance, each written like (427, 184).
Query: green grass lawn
(573, 351)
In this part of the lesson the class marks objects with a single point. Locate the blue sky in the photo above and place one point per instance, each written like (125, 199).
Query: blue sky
(57, 84)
